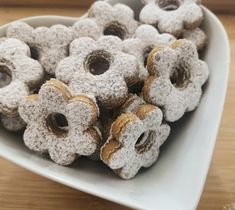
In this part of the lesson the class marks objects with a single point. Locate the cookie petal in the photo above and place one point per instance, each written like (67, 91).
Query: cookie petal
(192, 19)
(100, 9)
(59, 35)
(157, 90)
(149, 15)
(34, 138)
(150, 115)
(88, 142)
(110, 43)
(54, 94)
(29, 109)
(200, 73)
(67, 68)
(130, 169)
(61, 156)
(175, 107)
(193, 95)
(12, 123)
(86, 28)
(158, 136)
(127, 66)
(82, 45)
(21, 31)
(124, 11)
(11, 96)
(112, 90)
(11, 47)
(28, 70)
(82, 110)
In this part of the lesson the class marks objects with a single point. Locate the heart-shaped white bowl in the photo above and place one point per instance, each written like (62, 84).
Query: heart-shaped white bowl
(177, 180)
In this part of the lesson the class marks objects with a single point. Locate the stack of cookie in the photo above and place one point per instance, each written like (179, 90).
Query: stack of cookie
(106, 87)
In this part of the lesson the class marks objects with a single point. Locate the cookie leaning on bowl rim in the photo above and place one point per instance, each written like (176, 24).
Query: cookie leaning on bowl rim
(176, 77)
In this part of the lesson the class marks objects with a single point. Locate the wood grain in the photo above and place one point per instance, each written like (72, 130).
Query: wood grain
(20, 189)
(215, 5)
(48, 3)
(220, 6)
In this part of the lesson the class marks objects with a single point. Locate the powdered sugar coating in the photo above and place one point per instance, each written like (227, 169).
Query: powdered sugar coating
(86, 27)
(132, 104)
(24, 74)
(172, 16)
(120, 17)
(50, 45)
(110, 87)
(12, 123)
(197, 36)
(176, 77)
(63, 143)
(135, 139)
(144, 40)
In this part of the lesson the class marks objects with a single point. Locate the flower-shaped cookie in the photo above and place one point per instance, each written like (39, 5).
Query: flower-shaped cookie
(18, 74)
(59, 123)
(12, 122)
(117, 20)
(197, 36)
(144, 40)
(134, 141)
(172, 16)
(99, 68)
(50, 45)
(176, 78)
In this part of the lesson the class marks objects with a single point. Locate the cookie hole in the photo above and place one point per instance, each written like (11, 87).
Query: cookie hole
(146, 53)
(57, 123)
(35, 90)
(144, 141)
(5, 76)
(115, 29)
(136, 88)
(98, 62)
(180, 77)
(168, 5)
(34, 53)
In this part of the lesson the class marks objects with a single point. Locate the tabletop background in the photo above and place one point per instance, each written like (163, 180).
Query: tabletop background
(23, 190)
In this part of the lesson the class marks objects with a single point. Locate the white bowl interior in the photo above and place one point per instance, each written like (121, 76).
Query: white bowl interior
(177, 180)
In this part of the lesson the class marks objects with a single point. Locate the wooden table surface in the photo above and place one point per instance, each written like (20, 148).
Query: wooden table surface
(23, 190)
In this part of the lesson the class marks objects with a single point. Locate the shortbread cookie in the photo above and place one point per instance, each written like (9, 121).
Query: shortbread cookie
(12, 122)
(172, 16)
(197, 36)
(144, 40)
(176, 78)
(99, 68)
(18, 74)
(50, 45)
(117, 20)
(59, 123)
(134, 142)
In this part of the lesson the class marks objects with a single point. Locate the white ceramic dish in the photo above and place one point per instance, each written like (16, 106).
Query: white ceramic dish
(177, 180)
